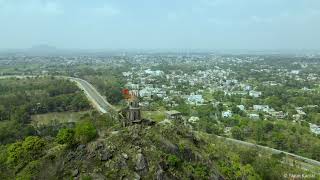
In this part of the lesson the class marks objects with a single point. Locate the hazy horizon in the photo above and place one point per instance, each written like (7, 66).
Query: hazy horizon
(176, 24)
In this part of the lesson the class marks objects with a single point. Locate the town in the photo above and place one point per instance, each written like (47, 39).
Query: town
(267, 100)
(215, 84)
(255, 87)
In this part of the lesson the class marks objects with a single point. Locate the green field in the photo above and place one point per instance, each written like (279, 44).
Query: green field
(154, 115)
(56, 118)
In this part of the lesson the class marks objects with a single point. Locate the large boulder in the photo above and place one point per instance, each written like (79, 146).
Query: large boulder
(75, 173)
(188, 155)
(105, 155)
(163, 175)
(141, 163)
(168, 147)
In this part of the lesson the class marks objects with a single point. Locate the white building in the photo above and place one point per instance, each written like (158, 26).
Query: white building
(227, 114)
(255, 94)
(247, 88)
(193, 119)
(195, 99)
(315, 129)
(130, 85)
(241, 107)
(264, 108)
(295, 72)
(127, 74)
(254, 116)
(154, 73)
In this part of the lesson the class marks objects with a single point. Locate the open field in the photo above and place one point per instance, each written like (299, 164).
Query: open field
(57, 117)
(154, 115)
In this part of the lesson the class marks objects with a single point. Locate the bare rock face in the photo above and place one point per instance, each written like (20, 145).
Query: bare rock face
(163, 175)
(75, 173)
(188, 155)
(160, 175)
(136, 176)
(105, 155)
(125, 156)
(141, 163)
(170, 147)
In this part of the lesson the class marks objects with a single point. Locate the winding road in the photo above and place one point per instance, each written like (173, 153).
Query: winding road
(102, 105)
(99, 102)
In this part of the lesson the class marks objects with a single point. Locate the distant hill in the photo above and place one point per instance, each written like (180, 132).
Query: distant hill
(42, 50)
(43, 47)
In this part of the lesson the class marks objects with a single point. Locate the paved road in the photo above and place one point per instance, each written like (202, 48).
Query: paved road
(100, 103)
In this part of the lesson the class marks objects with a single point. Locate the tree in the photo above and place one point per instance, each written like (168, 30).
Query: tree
(235, 110)
(280, 141)
(21, 153)
(268, 127)
(173, 161)
(85, 132)
(275, 102)
(269, 168)
(65, 136)
(201, 172)
(315, 152)
(237, 133)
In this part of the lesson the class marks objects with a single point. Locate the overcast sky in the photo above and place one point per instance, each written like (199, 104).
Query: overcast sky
(164, 24)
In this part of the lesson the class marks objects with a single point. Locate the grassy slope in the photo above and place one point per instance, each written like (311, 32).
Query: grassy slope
(56, 117)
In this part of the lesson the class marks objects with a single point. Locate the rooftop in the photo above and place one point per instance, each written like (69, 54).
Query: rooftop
(173, 112)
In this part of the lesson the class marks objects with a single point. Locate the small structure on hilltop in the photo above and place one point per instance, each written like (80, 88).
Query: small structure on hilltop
(132, 113)
(173, 115)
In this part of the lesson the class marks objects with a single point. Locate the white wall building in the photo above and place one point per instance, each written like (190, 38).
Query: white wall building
(195, 99)
(227, 114)
(255, 94)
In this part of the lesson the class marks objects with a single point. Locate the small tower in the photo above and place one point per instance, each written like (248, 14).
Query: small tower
(132, 113)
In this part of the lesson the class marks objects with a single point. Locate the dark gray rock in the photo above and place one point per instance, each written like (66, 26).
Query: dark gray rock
(121, 163)
(169, 147)
(75, 173)
(162, 175)
(81, 147)
(141, 163)
(71, 156)
(125, 156)
(91, 155)
(188, 155)
(136, 176)
(148, 122)
(163, 165)
(105, 155)
(99, 146)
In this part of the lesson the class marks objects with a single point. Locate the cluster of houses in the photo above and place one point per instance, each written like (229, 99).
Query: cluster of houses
(253, 113)
(166, 90)
(190, 86)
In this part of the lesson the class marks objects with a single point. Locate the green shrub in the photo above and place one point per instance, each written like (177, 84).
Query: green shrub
(21, 153)
(65, 136)
(85, 132)
(173, 161)
(201, 172)
(30, 171)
